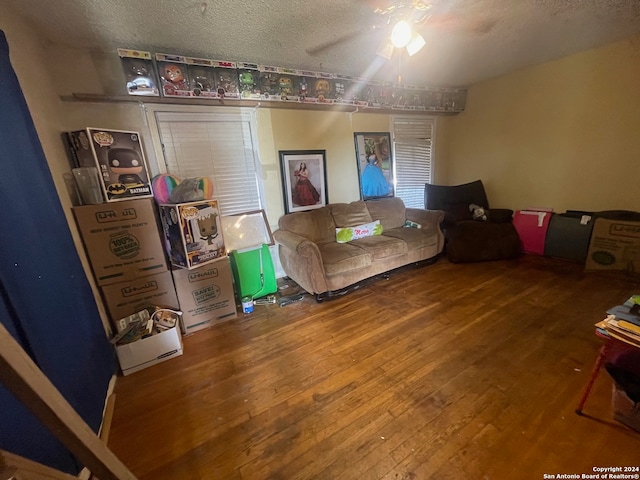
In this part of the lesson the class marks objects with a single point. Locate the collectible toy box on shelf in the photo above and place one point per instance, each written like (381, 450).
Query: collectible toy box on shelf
(173, 75)
(139, 72)
(192, 232)
(201, 77)
(212, 78)
(248, 79)
(119, 158)
(277, 83)
(191, 77)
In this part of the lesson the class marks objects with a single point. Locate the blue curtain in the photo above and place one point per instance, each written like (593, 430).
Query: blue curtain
(46, 301)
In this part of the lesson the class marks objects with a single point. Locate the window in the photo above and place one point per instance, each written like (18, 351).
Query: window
(413, 148)
(220, 146)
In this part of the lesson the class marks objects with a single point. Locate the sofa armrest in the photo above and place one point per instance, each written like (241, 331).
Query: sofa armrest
(429, 220)
(289, 239)
(426, 218)
(301, 261)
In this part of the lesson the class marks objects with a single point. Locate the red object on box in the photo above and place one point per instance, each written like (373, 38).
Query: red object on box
(532, 226)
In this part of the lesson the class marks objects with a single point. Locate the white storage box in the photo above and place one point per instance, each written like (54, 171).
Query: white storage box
(149, 351)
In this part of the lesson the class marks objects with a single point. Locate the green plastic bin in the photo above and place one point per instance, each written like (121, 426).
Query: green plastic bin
(253, 272)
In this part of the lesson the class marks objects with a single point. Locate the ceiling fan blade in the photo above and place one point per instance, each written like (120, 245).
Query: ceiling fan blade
(333, 42)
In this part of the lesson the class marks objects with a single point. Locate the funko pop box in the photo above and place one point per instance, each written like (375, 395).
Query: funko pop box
(139, 72)
(192, 233)
(119, 157)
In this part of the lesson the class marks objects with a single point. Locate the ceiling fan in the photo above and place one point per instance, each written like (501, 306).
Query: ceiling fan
(401, 22)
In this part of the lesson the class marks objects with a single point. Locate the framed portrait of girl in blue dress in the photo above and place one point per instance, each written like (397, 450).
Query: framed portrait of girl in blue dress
(375, 164)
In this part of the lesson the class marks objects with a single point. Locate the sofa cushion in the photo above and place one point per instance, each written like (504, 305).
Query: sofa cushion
(317, 225)
(350, 214)
(343, 257)
(390, 211)
(381, 247)
(414, 238)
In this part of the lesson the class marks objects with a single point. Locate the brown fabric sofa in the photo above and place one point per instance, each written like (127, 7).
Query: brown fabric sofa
(311, 256)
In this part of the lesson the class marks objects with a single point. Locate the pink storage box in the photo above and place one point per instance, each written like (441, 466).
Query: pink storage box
(532, 225)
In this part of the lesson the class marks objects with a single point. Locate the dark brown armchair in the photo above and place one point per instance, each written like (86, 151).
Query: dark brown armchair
(469, 240)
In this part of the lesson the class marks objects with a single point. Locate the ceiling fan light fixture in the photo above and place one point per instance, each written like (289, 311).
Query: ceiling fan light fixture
(416, 43)
(401, 34)
(386, 49)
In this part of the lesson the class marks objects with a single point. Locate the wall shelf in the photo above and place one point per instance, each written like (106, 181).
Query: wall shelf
(94, 98)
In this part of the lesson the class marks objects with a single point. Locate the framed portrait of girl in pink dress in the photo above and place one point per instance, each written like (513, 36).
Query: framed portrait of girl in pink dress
(304, 178)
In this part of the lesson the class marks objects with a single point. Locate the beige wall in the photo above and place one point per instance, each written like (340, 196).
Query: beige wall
(562, 135)
(312, 130)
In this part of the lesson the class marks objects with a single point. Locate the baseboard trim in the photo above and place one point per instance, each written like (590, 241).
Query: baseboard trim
(105, 425)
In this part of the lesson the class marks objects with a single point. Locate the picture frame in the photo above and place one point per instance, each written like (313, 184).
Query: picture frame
(375, 164)
(246, 230)
(304, 188)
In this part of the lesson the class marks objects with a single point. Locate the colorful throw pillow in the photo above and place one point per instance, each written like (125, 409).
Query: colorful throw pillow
(346, 234)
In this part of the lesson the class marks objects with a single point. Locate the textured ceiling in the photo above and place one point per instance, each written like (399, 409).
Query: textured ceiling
(467, 40)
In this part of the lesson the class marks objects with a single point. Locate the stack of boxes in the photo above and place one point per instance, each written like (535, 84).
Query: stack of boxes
(128, 239)
(129, 265)
(200, 267)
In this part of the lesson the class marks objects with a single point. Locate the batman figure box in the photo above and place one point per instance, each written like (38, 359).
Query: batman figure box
(119, 157)
(192, 233)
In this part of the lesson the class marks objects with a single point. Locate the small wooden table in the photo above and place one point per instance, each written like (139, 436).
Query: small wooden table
(611, 343)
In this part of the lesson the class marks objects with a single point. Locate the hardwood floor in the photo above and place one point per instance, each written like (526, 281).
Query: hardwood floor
(469, 371)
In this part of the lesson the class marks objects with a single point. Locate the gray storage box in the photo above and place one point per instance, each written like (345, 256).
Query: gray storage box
(568, 236)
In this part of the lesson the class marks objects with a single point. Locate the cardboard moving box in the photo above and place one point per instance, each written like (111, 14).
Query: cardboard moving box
(205, 295)
(126, 298)
(614, 245)
(122, 240)
(149, 351)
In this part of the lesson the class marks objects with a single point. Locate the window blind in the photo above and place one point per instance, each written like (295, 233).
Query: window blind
(413, 148)
(218, 146)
